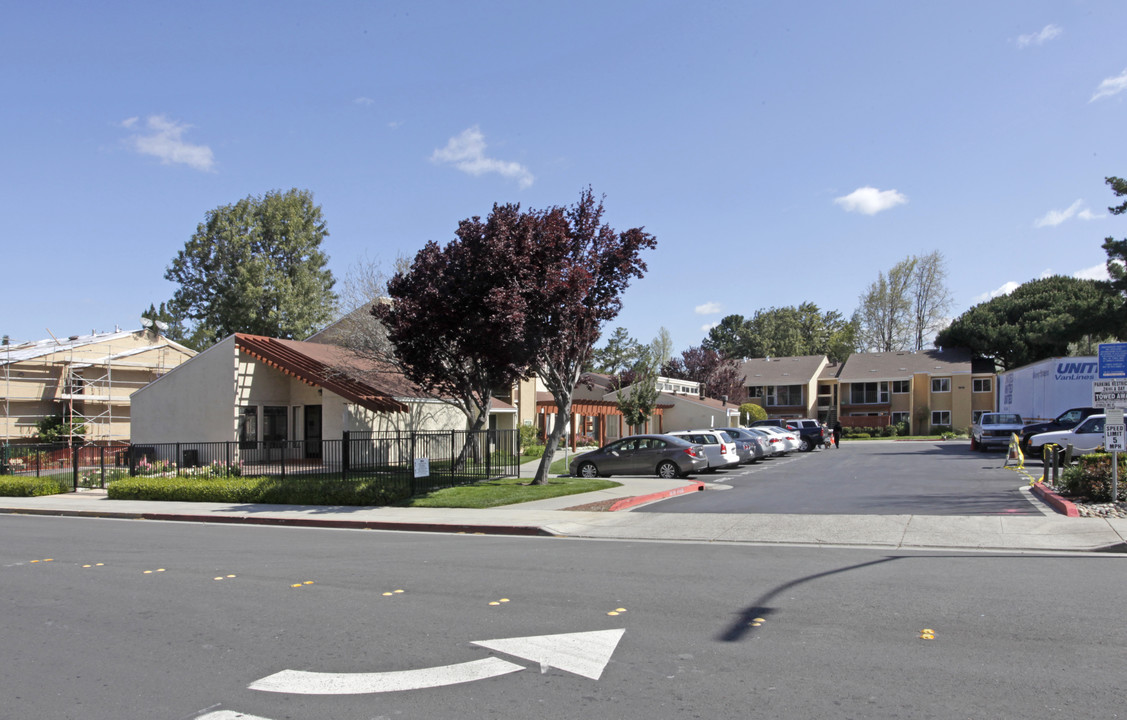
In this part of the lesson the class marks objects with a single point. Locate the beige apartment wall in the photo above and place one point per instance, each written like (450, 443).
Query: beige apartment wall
(423, 415)
(193, 403)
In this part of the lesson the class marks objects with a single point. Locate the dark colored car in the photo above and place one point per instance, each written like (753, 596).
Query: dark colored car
(1065, 421)
(663, 455)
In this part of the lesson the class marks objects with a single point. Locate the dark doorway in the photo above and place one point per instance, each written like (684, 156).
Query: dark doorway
(313, 431)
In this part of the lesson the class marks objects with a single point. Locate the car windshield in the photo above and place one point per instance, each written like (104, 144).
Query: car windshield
(1002, 420)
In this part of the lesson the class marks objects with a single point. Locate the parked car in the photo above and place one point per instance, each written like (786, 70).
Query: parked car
(1084, 438)
(665, 455)
(809, 432)
(994, 430)
(756, 442)
(788, 441)
(772, 445)
(718, 447)
(1068, 419)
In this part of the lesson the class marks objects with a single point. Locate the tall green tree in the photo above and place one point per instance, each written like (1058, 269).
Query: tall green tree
(619, 353)
(173, 326)
(784, 332)
(1038, 320)
(637, 390)
(257, 267)
(1117, 252)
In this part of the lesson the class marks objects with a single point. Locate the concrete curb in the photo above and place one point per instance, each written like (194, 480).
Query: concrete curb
(298, 522)
(630, 502)
(1054, 500)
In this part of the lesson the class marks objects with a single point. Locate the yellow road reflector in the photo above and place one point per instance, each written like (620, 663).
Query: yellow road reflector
(758, 620)
(612, 612)
(98, 564)
(230, 576)
(35, 561)
(218, 578)
(388, 594)
(49, 560)
(504, 599)
(927, 636)
(308, 582)
(927, 630)
(494, 603)
(621, 609)
(148, 572)
(756, 624)
(398, 591)
(86, 566)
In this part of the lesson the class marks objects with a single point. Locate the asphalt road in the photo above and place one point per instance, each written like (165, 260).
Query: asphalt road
(111, 619)
(867, 478)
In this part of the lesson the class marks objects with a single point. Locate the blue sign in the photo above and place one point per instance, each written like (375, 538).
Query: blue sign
(1113, 360)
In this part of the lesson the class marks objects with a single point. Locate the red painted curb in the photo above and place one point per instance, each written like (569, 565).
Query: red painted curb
(641, 499)
(1055, 501)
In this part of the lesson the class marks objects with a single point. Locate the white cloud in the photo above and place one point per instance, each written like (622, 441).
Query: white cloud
(709, 308)
(708, 326)
(1006, 289)
(870, 201)
(161, 138)
(467, 153)
(1096, 272)
(1111, 86)
(1039, 38)
(364, 101)
(1056, 217)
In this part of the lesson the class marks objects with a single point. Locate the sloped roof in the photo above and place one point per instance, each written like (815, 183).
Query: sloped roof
(901, 365)
(39, 348)
(333, 368)
(797, 370)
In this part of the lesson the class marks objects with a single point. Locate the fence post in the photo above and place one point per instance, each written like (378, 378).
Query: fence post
(38, 460)
(74, 465)
(102, 465)
(488, 456)
(227, 454)
(176, 460)
(345, 453)
(4, 459)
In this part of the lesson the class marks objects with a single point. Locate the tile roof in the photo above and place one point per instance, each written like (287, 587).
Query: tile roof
(334, 368)
(903, 364)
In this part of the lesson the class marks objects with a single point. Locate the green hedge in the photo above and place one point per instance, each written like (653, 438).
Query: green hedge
(291, 490)
(1091, 478)
(20, 486)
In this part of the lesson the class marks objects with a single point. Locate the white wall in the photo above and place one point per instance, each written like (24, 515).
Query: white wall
(192, 403)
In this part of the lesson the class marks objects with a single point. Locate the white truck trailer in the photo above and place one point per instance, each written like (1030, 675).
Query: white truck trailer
(1043, 390)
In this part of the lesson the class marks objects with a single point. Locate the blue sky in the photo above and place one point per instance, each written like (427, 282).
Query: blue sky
(780, 152)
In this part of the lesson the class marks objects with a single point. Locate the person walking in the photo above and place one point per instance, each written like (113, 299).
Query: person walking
(837, 434)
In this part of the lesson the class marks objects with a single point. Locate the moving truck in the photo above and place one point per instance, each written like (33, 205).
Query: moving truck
(1043, 390)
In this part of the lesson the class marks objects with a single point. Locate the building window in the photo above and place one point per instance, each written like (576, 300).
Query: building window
(755, 391)
(248, 428)
(940, 385)
(941, 417)
(899, 417)
(871, 393)
(983, 385)
(976, 416)
(274, 426)
(901, 386)
(784, 395)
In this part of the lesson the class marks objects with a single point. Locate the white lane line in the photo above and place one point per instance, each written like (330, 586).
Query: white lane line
(229, 715)
(318, 683)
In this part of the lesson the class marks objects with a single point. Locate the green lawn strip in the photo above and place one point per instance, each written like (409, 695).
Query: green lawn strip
(506, 491)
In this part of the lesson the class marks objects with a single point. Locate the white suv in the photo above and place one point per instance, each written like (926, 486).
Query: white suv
(718, 446)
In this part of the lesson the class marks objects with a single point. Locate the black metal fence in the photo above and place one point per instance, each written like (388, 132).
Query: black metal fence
(418, 461)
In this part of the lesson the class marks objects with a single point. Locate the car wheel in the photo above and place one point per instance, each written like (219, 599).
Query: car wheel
(804, 445)
(668, 470)
(587, 470)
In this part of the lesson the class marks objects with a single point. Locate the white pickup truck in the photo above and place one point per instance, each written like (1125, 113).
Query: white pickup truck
(994, 429)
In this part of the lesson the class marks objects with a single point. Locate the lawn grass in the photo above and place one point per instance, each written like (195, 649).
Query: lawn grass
(506, 491)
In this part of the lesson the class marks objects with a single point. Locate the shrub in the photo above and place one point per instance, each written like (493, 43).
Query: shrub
(941, 430)
(529, 435)
(532, 451)
(888, 431)
(1091, 478)
(860, 435)
(20, 486)
(291, 490)
(750, 412)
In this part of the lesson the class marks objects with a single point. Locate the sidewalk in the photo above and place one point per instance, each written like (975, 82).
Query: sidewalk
(1050, 532)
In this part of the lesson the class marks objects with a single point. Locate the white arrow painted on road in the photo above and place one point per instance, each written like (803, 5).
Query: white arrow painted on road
(585, 654)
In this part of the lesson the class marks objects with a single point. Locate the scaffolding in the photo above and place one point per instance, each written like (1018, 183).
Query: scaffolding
(87, 380)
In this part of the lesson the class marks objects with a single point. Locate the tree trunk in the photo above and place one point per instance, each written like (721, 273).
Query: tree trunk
(563, 422)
